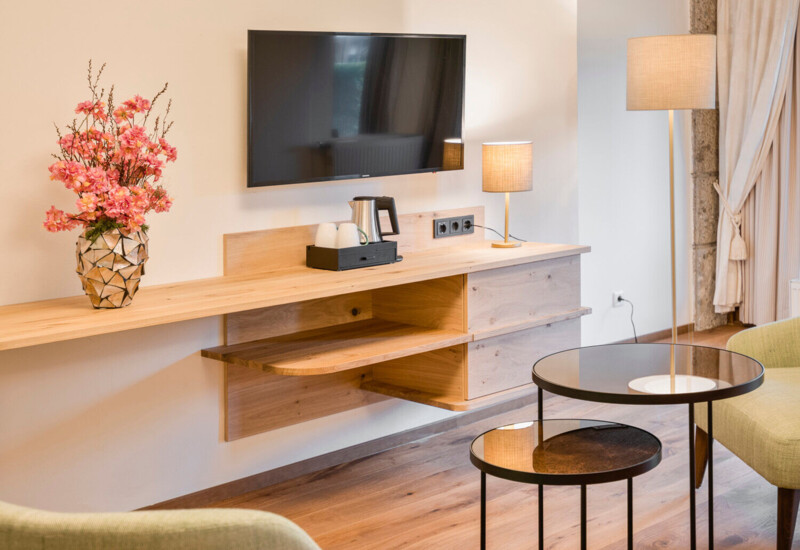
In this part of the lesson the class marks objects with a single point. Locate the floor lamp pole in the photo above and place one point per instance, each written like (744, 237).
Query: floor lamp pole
(672, 225)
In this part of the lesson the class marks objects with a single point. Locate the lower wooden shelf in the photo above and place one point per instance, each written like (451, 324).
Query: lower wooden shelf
(337, 348)
(448, 402)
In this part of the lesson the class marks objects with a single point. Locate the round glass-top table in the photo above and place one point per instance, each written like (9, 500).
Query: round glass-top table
(565, 452)
(653, 374)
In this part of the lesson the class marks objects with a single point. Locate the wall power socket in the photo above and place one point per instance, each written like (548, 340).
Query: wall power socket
(452, 227)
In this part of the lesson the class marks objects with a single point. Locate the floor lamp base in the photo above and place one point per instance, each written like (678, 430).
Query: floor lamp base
(663, 384)
(503, 244)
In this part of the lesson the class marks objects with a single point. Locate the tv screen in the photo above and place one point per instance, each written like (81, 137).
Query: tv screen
(327, 106)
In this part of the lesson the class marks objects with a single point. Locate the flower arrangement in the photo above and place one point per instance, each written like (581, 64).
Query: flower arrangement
(112, 162)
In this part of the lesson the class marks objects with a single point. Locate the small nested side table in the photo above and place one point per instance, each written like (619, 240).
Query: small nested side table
(565, 452)
(654, 374)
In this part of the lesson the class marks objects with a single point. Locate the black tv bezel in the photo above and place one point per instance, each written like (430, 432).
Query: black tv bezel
(250, 36)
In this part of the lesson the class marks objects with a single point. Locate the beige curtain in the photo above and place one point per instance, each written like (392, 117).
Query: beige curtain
(755, 57)
(771, 218)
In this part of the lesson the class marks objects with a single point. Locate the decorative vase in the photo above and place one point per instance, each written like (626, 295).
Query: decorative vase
(111, 266)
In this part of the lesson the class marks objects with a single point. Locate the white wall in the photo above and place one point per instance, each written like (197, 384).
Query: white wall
(125, 420)
(623, 175)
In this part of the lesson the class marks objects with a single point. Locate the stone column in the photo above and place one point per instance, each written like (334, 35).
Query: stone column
(705, 171)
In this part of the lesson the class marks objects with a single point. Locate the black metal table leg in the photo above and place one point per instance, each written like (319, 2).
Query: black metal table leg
(540, 404)
(540, 407)
(710, 478)
(583, 517)
(541, 517)
(483, 510)
(630, 513)
(692, 515)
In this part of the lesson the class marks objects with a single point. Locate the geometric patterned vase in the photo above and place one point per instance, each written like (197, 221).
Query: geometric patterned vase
(111, 266)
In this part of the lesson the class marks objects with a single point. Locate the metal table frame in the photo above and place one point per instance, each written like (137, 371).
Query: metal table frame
(661, 399)
(581, 479)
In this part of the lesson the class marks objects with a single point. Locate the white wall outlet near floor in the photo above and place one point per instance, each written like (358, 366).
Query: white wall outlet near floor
(616, 298)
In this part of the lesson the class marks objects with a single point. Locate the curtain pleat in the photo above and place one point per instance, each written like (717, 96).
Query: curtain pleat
(771, 219)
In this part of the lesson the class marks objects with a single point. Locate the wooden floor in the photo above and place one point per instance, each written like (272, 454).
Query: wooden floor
(426, 495)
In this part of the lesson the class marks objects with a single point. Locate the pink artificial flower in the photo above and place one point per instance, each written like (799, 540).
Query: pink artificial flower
(85, 107)
(168, 150)
(71, 173)
(88, 202)
(94, 181)
(137, 104)
(58, 220)
(121, 114)
(132, 140)
(163, 204)
(96, 109)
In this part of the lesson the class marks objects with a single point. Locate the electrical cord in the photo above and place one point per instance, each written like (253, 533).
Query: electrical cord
(496, 231)
(621, 299)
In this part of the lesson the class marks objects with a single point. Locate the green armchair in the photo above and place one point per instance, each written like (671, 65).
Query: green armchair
(209, 529)
(763, 427)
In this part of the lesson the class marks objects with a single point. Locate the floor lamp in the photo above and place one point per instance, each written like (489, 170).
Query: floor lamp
(668, 73)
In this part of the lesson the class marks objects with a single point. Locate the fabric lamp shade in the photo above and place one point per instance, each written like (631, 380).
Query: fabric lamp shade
(507, 166)
(453, 154)
(672, 72)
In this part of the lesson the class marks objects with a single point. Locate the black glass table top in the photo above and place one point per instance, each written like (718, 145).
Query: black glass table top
(627, 373)
(566, 452)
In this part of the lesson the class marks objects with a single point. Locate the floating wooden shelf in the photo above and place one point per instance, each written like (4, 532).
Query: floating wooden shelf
(337, 348)
(446, 401)
(62, 319)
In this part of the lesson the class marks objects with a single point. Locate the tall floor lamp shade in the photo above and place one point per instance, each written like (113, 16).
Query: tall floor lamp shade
(667, 73)
(507, 168)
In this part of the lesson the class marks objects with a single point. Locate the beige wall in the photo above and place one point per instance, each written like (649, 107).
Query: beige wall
(125, 420)
(623, 174)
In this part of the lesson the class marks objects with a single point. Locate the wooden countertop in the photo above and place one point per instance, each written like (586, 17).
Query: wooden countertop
(47, 321)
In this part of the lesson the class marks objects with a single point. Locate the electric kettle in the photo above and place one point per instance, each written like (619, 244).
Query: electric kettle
(366, 216)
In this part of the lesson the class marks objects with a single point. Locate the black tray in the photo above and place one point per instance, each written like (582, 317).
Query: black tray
(340, 259)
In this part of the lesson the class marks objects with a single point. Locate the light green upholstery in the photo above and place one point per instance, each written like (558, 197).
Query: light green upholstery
(763, 427)
(209, 529)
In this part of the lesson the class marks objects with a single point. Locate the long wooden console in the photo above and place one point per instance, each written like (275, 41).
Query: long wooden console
(457, 324)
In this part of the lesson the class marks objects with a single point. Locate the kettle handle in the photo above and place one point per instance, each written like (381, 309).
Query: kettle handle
(387, 203)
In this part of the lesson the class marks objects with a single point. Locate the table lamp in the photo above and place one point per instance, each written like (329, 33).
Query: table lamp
(666, 73)
(507, 168)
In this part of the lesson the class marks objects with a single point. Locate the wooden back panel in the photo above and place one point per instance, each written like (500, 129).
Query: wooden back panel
(257, 402)
(271, 249)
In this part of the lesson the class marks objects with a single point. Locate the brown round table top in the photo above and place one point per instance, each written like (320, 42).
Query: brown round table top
(566, 452)
(605, 373)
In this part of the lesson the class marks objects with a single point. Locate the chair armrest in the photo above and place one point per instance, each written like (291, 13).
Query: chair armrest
(775, 345)
(208, 529)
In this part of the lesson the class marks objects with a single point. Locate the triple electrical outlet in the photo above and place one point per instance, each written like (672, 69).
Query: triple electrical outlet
(452, 227)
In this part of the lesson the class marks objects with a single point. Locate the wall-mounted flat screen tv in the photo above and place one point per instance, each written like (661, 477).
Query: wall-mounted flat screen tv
(328, 106)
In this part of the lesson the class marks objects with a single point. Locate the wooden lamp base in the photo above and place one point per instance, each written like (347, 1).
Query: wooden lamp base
(506, 243)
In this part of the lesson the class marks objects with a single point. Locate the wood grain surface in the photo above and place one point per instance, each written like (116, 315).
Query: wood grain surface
(337, 348)
(69, 318)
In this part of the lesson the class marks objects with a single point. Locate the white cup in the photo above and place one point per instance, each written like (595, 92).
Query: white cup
(349, 235)
(326, 235)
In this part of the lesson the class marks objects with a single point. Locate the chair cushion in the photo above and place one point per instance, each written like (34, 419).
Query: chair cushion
(763, 427)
